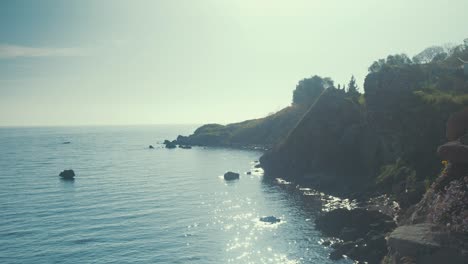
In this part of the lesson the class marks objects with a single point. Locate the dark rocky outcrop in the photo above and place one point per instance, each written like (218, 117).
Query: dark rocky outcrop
(67, 174)
(229, 176)
(455, 151)
(457, 125)
(332, 132)
(170, 144)
(270, 219)
(426, 243)
(338, 222)
(151, 147)
(362, 231)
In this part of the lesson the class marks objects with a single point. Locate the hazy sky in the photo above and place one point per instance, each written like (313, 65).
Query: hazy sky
(146, 62)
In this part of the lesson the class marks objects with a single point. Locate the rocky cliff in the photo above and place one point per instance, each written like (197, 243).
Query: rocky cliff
(436, 229)
(333, 131)
(385, 141)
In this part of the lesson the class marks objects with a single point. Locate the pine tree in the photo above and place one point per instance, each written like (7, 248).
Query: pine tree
(352, 87)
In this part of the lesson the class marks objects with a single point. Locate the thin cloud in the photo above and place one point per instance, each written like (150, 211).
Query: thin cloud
(17, 51)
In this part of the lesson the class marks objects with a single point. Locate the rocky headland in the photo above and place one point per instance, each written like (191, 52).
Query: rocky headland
(379, 144)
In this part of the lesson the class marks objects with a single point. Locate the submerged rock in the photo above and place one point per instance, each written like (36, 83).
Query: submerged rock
(67, 174)
(229, 176)
(66, 142)
(270, 219)
(151, 147)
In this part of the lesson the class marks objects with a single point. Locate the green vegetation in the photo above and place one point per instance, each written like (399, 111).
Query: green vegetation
(262, 132)
(308, 90)
(437, 97)
(395, 172)
(352, 86)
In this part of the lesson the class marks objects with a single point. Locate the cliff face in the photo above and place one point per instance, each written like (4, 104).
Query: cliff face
(436, 228)
(333, 131)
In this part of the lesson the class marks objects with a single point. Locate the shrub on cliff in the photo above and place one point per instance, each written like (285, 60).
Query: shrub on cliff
(309, 89)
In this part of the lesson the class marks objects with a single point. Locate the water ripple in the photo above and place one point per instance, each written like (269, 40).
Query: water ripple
(129, 204)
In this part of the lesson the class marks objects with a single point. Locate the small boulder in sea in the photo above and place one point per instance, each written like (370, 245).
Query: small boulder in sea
(66, 142)
(169, 144)
(270, 219)
(185, 147)
(249, 173)
(151, 147)
(67, 174)
(229, 176)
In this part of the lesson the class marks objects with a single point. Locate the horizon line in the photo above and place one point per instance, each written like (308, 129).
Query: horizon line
(100, 125)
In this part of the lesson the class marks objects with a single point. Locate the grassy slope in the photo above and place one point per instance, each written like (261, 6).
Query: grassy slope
(262, 132)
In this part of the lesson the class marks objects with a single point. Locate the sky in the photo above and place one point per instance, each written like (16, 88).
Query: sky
(130, 62)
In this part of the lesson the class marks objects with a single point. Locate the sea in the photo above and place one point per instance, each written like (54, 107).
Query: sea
(132, 204)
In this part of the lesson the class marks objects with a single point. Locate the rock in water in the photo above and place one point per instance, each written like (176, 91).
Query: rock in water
(67, 174)
(229, 176)
(151, 147)
(170, 144)
(270, 219)
(185, 147)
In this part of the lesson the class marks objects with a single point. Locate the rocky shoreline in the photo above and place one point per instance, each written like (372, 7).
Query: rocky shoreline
(354, 229)
(378, 149)
(371, 228)
(398, 227)
(187, 144)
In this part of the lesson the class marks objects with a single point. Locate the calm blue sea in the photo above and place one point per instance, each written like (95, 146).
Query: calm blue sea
(131, 204)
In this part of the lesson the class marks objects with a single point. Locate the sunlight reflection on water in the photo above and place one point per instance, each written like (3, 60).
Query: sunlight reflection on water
(129, 204)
